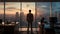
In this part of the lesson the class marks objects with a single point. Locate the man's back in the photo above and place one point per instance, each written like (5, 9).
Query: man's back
(29, 17)
(29, 20)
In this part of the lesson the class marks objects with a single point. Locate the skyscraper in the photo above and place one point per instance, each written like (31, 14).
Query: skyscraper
(55, 14)
(58, 17)
(22, 15)
(17, 17)
(22, 19)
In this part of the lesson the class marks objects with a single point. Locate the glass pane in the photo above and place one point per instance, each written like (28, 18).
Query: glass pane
(12, 13)
(56, 13)
(56, 10)
(26, 6)
(12, 10)
(43, 10)
(2, 11)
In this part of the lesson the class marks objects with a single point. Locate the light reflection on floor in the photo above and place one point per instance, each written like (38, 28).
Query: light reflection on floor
(25, 29)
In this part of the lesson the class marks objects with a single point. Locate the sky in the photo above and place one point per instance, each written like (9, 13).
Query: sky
(13, 7)
(42, 7)
(56, 6)
(1, 8)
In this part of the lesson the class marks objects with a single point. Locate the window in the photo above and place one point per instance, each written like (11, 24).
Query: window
(2, 11)
(56, 10)
(12, 11)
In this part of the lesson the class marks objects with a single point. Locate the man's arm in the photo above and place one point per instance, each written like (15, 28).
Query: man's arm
(32, 17)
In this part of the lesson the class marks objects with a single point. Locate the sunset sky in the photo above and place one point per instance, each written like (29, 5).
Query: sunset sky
(13, 7)
(42, 7)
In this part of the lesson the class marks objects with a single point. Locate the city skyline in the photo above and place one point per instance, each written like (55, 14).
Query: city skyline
(42, 8)
(11, 8)
(14, 13)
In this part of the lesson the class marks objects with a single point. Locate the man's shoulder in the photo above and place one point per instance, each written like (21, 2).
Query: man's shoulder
(29, 14)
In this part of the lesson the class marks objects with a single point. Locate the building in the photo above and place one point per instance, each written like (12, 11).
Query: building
(17, 17)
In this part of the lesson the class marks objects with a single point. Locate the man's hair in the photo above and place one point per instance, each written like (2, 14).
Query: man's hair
(29, 10)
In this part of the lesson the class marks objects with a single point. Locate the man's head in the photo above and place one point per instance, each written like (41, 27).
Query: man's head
(29, 11)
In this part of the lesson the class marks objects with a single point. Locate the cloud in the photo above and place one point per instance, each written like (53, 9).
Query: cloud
(43, 6)
(1, 3)
(11, 8)
(43, 9)
(5, 4)
(1, 8)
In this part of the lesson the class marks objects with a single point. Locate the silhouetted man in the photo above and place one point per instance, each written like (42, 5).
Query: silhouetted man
(29, 20)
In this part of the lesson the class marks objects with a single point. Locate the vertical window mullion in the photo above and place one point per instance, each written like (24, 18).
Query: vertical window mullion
(4, 11)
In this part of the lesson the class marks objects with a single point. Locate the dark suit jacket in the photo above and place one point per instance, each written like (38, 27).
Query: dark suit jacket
(30, 17)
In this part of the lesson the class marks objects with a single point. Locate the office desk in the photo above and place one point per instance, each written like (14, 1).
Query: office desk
(7, 28)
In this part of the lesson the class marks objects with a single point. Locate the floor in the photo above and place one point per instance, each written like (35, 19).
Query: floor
(48, 31)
